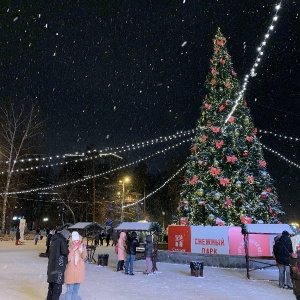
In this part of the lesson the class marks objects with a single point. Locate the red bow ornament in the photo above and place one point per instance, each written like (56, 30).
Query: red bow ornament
(215, 171)
(262, 163)
(224, 181)
(219, 144)
(213, 71)
(207, 106)
(246, 220)
(231, 159)
(215, 129)
(249, 138)
(250, 179)
(193, 180)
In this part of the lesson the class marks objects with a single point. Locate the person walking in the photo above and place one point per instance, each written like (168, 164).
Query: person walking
(18, 236)
(74, 275)
(295, 272)
(107, 239)
(282, 251)
(121, 245)
(36, 238)
(148, 253)
(97, 238)
(58, 258)
(131, 245)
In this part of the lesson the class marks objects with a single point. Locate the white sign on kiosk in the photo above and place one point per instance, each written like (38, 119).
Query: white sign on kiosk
(209, 240)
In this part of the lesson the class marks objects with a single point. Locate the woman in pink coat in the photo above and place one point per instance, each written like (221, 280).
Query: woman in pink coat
(121, 251)
(75, 268)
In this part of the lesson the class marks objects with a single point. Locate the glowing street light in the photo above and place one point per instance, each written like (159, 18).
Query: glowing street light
(126, 179)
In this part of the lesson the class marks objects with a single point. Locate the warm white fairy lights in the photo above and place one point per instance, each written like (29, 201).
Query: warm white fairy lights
(279, 135)
(158, 189)
(107, 151)
(260, 52)
(83, 158)
(281, 156)
(89, 177)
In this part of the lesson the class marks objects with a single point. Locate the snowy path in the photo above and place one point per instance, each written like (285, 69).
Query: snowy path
(23, 277)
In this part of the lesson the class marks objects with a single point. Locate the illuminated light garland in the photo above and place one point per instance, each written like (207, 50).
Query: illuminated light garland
(116, 149)
(279, 135)
(86, 158)
(158, 189)
(129, 148)
(257, 60)
(281, 156)
(89, 177)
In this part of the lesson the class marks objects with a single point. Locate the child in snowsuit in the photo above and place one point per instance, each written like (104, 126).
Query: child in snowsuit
(148, 253)
(36, 239)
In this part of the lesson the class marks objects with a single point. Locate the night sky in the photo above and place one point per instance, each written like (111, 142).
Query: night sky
(111, 73)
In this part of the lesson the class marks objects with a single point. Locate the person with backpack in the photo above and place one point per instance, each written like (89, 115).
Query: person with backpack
(120, 248)
(58, 259)
(282, 251)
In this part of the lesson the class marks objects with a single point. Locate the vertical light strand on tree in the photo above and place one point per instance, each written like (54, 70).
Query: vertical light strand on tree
(260, 52)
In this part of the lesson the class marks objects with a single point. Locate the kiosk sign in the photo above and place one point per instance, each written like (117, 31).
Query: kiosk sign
(179, 238)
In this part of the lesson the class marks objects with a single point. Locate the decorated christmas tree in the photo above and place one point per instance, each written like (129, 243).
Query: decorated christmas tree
(226, 180)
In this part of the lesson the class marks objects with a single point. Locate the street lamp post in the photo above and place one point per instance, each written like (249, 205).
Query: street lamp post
(126, 179)
(163, 214)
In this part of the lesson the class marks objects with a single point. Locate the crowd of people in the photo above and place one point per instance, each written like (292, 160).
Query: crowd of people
(126, 250)
(67, 253)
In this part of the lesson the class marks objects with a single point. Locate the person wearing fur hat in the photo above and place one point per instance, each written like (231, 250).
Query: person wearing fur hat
(58, 258)
(74, 275)
(282, 252)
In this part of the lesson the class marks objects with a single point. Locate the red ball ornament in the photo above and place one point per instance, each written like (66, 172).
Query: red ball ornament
(245, 153)
(264, 195)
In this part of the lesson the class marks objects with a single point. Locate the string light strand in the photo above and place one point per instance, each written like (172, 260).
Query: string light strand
(260, 52)
(89, 177)
(158, 189)
(281, 156)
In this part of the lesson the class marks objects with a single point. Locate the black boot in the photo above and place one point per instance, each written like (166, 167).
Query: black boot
(121, 265)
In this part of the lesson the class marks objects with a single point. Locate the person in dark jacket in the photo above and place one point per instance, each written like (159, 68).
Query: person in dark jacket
(148, 253)
(132, 243)
(58, 259)
(282, 250)
(295, 273)
(18, 236)
(48, 240)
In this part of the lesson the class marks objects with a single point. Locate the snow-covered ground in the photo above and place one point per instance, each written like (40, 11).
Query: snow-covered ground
(23, 276)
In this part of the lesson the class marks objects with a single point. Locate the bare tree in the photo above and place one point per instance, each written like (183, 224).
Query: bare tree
(19, 124)
(67, 201)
